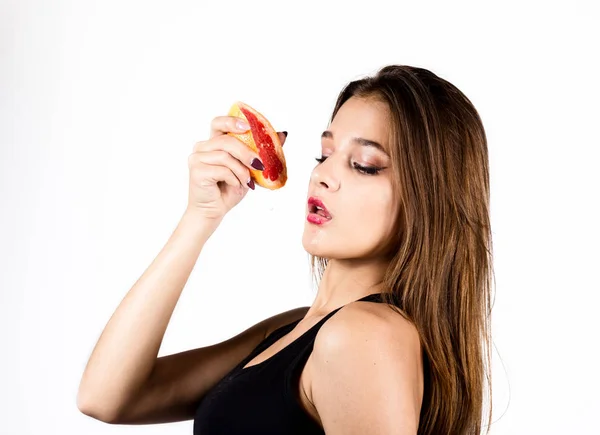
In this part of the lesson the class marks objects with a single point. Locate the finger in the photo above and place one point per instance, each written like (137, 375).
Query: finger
(203, 175)
(223, 158)
(198, 146)
(225, 124)
(235, 147)
(282, 136)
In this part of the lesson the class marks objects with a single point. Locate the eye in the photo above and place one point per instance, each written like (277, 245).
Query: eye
(367, 170)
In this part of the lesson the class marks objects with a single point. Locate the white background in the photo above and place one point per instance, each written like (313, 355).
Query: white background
(102, 102)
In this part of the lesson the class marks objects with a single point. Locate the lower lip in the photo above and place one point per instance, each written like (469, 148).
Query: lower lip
(317, 219)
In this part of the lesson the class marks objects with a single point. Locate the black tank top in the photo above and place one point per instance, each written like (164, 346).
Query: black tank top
(263, 398)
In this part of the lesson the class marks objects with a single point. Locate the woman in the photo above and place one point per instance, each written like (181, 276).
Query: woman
(397, 338)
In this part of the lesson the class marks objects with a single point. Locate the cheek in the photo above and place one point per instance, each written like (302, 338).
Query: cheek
(375, 207)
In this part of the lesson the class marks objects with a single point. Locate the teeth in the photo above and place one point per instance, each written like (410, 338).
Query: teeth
(317, 209)
(320, 211)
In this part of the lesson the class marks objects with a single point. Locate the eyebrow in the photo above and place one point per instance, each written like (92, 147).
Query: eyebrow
(327, 134)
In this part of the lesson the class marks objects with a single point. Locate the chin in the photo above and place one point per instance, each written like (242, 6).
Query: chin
(335, 251)
(316, 247)
(312, 248)
(323, 250)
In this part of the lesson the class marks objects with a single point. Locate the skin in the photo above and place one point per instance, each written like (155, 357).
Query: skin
(362, 205)
(364, 374)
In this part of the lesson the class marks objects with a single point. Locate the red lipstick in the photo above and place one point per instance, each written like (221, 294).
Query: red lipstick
(317, 212)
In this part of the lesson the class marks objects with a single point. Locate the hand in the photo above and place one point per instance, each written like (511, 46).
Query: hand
(219, 169)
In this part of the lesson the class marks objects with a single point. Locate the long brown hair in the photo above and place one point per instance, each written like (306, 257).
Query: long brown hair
(440, 254)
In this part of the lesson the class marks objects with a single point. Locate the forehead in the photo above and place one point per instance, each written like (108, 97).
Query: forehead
(360, 117)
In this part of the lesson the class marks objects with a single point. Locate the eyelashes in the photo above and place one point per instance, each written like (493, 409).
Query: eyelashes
(367, 170)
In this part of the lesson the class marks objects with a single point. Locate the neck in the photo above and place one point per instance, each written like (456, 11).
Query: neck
(345, 281)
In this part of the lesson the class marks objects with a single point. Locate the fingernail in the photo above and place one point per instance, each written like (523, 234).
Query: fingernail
(257, 164)
(285, 132)
(250, 183)
(242, 125)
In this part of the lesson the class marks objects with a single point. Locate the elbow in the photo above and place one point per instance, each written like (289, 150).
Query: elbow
(92, 408)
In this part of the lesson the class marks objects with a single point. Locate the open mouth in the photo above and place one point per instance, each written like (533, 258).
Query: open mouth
(318, 210)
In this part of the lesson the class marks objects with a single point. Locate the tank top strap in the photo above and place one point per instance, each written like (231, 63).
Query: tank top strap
(302, 343)
(292, 372)
(373, 297)
(265, 397)
(306, 341)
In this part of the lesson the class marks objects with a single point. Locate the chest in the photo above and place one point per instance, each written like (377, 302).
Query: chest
(267, 393)
(304, 379)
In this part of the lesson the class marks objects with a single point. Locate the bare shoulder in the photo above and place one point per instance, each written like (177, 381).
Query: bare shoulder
(376, 322)
(366, 363)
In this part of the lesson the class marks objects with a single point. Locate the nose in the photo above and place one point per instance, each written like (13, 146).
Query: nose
(323, 176)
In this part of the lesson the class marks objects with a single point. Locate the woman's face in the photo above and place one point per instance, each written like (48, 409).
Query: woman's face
(361, 205)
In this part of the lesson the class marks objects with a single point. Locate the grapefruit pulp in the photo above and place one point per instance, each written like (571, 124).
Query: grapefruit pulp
(263, 140)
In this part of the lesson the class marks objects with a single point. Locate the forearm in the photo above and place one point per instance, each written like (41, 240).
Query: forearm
(126, 351)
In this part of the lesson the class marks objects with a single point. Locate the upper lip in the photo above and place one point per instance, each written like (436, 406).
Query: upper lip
(314, 202)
